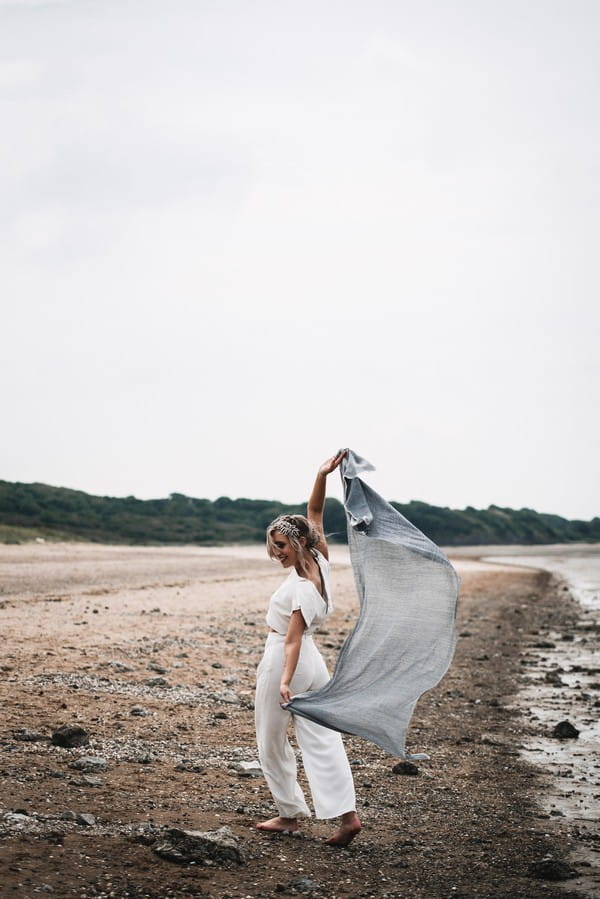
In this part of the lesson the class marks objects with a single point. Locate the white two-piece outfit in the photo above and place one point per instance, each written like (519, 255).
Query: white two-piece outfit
(323, 755)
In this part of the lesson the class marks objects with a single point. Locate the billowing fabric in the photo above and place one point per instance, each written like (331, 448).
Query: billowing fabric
(403, 640)
(300, 593)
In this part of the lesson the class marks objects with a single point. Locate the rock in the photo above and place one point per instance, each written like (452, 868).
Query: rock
(88, 780)
(138, 711)
(156, 682)
(89, 763)
(305, 885)
(229, 696)
(212, 847)
(489, 740)
(221, 716)
(405, 768)
(553, 677)
(551, 869)
(29, 736)
(85, 820)
(119, 666)
(69, 736)
(68, 816)
(158, 668)
(192, 767)
(564, 730)
(15, 818)
(248, 769)
(216, 665)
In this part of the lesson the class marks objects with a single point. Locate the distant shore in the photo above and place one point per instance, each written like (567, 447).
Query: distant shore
(91, 631)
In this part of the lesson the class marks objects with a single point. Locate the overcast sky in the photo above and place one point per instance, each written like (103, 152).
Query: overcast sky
(238, 235)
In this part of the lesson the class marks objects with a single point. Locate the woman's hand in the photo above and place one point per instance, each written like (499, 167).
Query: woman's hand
(332, 463)
(285, 691)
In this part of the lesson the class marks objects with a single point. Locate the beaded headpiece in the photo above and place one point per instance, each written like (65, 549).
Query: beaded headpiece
(286, 526)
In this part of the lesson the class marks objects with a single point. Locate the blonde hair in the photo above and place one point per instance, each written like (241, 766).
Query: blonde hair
(294, 527)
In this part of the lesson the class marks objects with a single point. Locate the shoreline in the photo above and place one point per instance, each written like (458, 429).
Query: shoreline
(468, 825)
(567, 690)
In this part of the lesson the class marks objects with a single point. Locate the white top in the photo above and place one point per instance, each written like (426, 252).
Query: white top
(300, 593)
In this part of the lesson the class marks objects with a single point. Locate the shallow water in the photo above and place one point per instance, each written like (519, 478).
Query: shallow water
(580, 568)
(573, 764)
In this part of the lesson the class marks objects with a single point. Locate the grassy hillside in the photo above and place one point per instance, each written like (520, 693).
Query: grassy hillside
(38, 510)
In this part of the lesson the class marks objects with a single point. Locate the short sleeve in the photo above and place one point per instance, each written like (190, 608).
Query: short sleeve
(308, 601)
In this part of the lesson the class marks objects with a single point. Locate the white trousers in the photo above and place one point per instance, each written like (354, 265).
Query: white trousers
(323, 754)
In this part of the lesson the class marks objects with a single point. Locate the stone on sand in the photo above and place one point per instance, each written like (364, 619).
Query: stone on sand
(211, 847)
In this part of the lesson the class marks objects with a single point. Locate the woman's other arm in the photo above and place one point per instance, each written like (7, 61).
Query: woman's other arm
(293, 642)
(316, 503)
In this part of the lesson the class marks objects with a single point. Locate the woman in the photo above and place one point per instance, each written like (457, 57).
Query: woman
(292, 664)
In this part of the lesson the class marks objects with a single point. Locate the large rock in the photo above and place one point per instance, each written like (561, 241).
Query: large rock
(211, 847)
(564, 730)
(70, 736)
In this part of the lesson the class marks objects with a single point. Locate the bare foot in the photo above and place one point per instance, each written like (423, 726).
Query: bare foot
(349, 828)
(279, 825)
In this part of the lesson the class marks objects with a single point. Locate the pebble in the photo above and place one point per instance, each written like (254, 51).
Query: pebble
(88, 780)
(229, 696)
(405, 768)
(248, 769)
(29, 736)
(89, 763)
(156, 682)
(305, 885)
(192, 767)
(85, 820)
(138, 711)
(158, 668)
(119, 666)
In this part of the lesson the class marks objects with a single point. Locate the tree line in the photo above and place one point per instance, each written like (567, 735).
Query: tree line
(27, 510)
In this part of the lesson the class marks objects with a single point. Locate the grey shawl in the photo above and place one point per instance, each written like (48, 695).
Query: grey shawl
(403, 640)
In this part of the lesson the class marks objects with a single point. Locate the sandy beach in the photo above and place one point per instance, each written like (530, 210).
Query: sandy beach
(153, 652)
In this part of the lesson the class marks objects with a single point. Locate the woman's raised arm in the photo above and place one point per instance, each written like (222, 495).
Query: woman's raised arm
(316, 503)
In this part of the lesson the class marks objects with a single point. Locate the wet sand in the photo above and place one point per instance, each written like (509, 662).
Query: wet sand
(90, 632)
